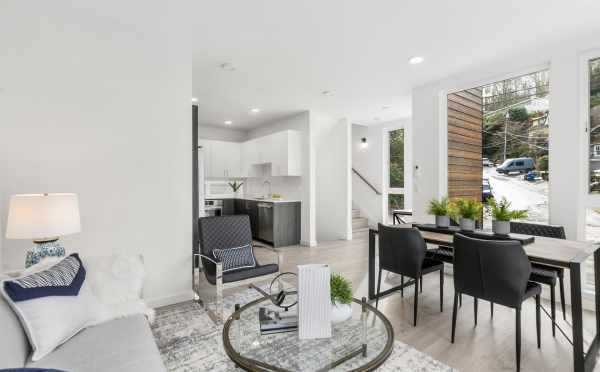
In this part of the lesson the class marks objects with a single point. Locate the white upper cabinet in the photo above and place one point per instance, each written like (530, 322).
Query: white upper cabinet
(222, 159)
(284, 152)
(278, 154)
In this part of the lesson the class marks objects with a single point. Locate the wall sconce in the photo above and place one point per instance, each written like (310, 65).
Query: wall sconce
(363, 143)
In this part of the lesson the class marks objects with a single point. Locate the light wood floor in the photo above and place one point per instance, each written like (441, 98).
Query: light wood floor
(488, 347)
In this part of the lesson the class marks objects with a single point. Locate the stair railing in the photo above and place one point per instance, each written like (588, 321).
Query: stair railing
(366, 181)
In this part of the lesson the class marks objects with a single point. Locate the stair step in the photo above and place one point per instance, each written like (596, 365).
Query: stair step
(359, 223)
(355, 213)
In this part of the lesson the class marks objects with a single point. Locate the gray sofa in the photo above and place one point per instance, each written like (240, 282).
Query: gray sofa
(121, 345)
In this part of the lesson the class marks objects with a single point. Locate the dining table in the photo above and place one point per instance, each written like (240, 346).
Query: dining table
(569, 254)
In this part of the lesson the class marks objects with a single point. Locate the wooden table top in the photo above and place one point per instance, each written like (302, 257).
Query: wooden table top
(558, 252)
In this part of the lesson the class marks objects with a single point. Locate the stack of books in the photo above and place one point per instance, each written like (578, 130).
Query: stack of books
(277, 321)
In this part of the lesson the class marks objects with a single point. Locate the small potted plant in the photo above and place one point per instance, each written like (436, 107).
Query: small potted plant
(341, 298)
(440, 209)
(465, 211)
(502, 215)
(235, 186)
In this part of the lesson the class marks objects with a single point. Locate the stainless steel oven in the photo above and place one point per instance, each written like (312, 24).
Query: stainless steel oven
(213, 207)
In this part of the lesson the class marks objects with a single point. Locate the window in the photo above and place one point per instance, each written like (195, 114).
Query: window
(592, 203)
(397, 159)
(396, 170)
(594, 126)
(515, 134)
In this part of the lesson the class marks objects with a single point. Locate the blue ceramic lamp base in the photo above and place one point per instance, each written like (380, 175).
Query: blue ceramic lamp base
(42, 249)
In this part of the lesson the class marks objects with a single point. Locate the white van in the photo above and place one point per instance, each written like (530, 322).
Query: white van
(521, 165)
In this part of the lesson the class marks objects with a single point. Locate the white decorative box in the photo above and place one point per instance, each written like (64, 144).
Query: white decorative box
(314, 301)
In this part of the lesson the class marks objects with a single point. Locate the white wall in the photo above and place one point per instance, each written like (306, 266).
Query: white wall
(221, 134)
(101, 107)
(333, 178)
(567, 176)
(302, 188)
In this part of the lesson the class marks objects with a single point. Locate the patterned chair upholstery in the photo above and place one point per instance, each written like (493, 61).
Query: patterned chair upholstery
(545, 274)
(226, 232)
(548, 231)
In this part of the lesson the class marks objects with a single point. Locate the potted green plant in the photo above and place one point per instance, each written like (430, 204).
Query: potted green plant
(235, 186)
(465, 211)
(341, 298)
(502, 215)
(440, 208)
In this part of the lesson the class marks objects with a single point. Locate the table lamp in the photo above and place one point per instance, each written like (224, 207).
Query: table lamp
(43, 218)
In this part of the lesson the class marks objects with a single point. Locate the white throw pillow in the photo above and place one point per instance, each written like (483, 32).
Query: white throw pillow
(116, 279)
(51, 320)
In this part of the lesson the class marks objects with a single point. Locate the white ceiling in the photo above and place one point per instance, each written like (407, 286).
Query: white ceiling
(287, 52)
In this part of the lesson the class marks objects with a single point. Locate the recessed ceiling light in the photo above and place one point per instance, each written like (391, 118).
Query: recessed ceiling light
(327, 93)
(377, 118)
(227, 66)
(255, 110)
(383, 108)
(194, 99)
(228, 122)
(415, 60)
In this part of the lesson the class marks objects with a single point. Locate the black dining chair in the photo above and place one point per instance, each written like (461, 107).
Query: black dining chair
(546, 274)
(496, 271)
(402, 251)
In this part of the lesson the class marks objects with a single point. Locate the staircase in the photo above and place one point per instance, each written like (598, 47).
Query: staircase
(359, 223)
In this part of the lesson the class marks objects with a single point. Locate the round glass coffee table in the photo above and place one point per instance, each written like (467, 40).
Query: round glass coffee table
(361, 343)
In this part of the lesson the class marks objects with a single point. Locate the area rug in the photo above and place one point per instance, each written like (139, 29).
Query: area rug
(188, 340)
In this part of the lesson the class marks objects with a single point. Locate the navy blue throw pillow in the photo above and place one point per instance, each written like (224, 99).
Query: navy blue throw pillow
(63, 279)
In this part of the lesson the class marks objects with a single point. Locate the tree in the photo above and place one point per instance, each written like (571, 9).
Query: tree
(397, 158)
(518, 114)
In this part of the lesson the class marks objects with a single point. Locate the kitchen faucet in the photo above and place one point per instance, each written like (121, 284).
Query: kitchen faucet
(269, 184)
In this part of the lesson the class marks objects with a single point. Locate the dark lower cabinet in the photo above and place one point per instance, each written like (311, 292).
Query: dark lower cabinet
(277, 224)
(252, 211)
(286, 224)
(228, 207)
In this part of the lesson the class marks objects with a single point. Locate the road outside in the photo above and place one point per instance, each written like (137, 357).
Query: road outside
(532, 196)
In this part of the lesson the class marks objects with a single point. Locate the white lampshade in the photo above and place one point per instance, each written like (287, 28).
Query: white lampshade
(42, 216)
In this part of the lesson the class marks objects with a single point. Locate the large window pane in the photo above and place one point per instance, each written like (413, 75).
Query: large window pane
(594, 66)
(397, 158)
(516, 125)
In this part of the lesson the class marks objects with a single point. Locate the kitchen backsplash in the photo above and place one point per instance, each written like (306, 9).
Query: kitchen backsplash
(288, 187)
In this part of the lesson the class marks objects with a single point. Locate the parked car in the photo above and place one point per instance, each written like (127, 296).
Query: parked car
(487, 162)
(486, 191)
(521, 165)
(532, 176)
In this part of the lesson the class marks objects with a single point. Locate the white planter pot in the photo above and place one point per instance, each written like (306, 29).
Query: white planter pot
(442, 221)
(340, 312)
(501, 227)
(467, 224)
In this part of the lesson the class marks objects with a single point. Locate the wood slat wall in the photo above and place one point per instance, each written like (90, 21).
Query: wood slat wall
(465, 121)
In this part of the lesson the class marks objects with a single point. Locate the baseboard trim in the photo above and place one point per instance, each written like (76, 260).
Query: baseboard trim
(312, 243)
(170, 300)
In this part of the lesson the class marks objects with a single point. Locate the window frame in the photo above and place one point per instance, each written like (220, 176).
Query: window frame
(589, 199)
(404, 124)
